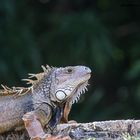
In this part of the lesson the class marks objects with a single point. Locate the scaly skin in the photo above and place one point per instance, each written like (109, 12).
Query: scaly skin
(47, 102)
(12, 110)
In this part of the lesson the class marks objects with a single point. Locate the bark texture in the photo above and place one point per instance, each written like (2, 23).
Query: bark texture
(104, 130)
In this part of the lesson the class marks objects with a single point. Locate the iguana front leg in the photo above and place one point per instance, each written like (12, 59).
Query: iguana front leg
(36, 120)
(33, 125)
(35, 130)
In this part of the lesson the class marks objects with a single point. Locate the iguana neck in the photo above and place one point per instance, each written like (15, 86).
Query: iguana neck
(41, 91)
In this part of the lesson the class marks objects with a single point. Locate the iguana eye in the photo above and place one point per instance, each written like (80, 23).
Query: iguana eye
(69, 70)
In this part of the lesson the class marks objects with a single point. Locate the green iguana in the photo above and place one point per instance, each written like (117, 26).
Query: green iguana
(45, 103)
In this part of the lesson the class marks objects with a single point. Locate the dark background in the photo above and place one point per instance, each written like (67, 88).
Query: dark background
(101, 34)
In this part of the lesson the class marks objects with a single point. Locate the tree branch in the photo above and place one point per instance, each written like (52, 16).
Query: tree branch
(119, 129)
(104, 130)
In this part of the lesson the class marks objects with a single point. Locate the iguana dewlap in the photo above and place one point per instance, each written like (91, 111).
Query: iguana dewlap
(49, 97)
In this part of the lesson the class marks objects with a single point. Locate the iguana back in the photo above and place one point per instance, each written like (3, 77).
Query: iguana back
(12, 109)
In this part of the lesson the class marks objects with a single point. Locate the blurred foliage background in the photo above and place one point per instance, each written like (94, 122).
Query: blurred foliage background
(101, 34)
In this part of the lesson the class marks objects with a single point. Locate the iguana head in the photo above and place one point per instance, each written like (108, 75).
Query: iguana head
(69, 83)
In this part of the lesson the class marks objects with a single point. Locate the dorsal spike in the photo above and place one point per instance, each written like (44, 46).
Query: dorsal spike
(48, 67)
(2, 86)
(44, 69)
(5, 87)
(31, 75)
(29, 81)
(23, 90)
(37, 76)
(8, 88)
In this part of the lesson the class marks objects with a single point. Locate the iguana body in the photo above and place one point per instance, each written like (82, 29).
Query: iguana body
(49, 98)
(12, 110)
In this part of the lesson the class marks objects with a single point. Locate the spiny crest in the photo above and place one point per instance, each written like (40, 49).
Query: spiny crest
(38, 76)
(23, 90)
(14, 90)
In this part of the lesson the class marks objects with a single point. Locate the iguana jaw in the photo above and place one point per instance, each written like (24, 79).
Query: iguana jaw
(73, 91)
(80, 89)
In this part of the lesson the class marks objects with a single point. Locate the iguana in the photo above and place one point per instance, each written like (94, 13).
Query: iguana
(46, 102)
